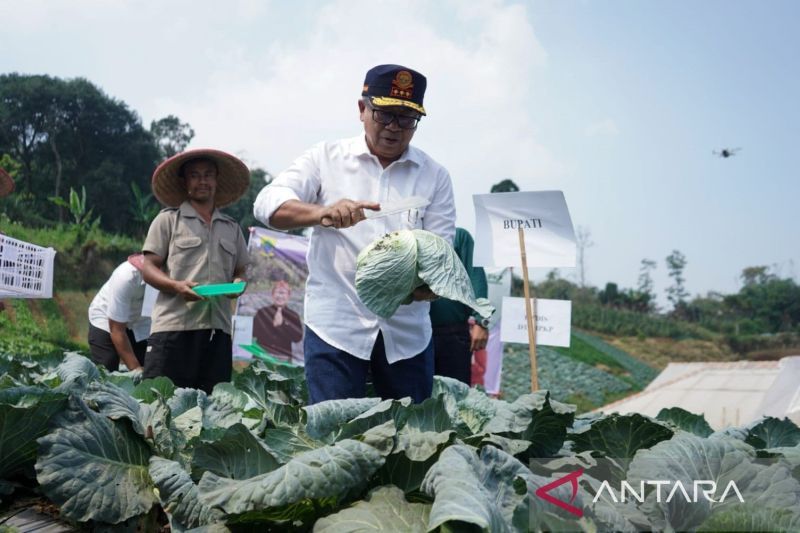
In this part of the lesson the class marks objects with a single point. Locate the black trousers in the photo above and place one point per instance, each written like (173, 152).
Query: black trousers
(451, 352)
(198, 359)
(104, 353)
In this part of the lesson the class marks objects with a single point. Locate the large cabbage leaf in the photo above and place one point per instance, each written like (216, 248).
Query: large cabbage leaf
(25, 413)
(95, 468)
(312, 481)
(687, 457)
(385, 509)
(237, 455)
(179, 496)
(424, 431)
(327, 417)
(391, 267)
(489, 489)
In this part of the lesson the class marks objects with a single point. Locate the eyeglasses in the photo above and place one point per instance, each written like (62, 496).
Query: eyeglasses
(405, 122)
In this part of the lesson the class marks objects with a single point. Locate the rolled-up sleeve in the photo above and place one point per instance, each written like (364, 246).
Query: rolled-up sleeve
(159, 235)
(301, 181)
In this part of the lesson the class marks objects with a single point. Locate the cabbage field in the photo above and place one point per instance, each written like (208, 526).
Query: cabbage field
(115, 455)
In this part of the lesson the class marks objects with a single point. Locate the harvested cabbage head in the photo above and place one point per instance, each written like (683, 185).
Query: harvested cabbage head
(390, 268)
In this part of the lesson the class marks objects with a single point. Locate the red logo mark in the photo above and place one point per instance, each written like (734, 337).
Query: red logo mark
(572, 478)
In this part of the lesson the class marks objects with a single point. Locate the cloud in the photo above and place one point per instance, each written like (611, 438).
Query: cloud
(604, 128)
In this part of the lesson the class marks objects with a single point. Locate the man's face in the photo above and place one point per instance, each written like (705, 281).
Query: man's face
(201, 180)
(386, 141)
(280, 296)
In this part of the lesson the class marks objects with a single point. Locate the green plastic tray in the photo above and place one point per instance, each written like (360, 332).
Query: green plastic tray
(262, 354)
(220, 289)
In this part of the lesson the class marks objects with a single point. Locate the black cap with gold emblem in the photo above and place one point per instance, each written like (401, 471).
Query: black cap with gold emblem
(395, 85)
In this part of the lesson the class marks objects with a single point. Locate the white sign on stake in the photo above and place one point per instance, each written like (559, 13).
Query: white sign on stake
(553, 322)
(544, 217)
(242, 334)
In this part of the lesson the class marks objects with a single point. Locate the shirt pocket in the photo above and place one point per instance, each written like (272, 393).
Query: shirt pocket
(187, 250)
(411, 219)
(227, 257)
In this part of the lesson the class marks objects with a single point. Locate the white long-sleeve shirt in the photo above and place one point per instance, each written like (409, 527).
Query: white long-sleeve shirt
(328, 172)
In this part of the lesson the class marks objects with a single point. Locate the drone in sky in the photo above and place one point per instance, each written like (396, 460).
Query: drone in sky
(726, 152)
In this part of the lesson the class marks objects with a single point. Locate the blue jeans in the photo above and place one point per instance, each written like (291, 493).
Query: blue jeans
(333, 374)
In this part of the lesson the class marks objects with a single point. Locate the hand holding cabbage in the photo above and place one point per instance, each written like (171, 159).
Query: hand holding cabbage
(392, 267)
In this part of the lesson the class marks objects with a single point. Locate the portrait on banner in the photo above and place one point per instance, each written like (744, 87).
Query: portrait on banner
(270, 312)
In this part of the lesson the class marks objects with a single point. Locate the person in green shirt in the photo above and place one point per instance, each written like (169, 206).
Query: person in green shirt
(455, 336)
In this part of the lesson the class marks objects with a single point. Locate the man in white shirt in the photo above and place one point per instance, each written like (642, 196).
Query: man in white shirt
(329, 188)
(117, 329)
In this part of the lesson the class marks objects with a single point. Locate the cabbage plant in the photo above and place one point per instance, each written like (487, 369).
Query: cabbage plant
(391, 267)
(114, 455)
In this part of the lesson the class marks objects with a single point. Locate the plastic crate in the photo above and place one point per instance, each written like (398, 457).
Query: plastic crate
(26, 270)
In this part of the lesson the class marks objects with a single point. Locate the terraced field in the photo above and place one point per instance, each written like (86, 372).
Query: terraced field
(590, 373)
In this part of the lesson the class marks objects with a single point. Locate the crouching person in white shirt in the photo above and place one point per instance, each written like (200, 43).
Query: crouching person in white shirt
(117, 329)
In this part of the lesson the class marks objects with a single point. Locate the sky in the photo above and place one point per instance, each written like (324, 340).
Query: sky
(617, 103)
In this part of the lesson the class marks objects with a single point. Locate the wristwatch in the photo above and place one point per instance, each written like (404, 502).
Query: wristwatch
(483, 322)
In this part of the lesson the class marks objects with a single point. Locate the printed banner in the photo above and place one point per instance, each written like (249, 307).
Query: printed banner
(274, 297)
(543, 216)
(553, 322)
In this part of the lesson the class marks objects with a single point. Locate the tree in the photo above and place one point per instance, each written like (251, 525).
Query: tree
(242, 210)
(769, 303)
(610, 296)
(583, 240)
(645, 276)
(68, 134)
(644, 294)
(676, 293)
(143, 208)
(756, 275)
(171, 135)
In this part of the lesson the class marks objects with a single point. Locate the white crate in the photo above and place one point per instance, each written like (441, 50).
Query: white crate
(26, 270)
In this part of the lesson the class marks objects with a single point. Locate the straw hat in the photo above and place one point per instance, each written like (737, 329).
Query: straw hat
(6, 183)
(233, 178)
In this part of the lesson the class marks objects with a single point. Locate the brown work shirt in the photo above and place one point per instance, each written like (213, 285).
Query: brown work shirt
(195, 251)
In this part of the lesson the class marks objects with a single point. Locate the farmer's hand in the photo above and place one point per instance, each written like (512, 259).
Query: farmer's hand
(423, 293)
(136, 374)
(234, 296)
(345, 213)
(183, 288)
(478, 336)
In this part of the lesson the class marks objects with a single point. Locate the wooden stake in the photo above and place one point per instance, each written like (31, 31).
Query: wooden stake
(530, 312)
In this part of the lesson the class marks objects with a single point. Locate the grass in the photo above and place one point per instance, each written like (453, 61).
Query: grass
(73, 308)
(585, 353)
(32, 327)
(659, 352)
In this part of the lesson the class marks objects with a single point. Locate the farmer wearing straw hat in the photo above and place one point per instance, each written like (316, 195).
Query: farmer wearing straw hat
(329, 188)
(188, 244)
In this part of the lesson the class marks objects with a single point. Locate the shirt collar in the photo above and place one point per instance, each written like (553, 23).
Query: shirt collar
(359, 148)
(188, 210)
